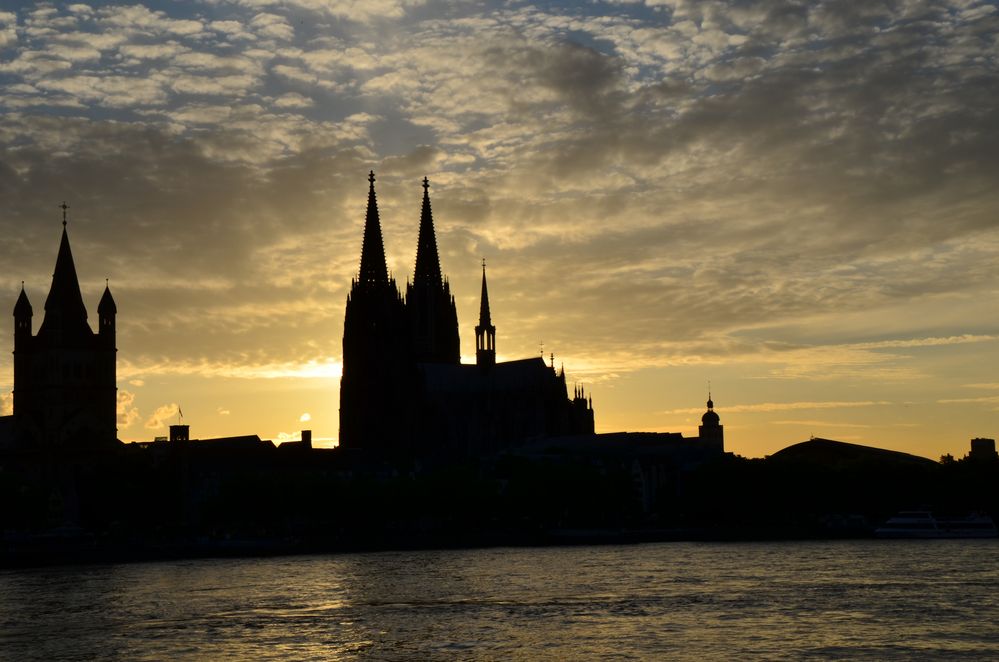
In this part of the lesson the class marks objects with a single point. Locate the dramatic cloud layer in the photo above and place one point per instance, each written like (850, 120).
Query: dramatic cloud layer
(794, 200)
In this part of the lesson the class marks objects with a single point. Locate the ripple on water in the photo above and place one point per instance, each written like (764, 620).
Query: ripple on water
(841, 600)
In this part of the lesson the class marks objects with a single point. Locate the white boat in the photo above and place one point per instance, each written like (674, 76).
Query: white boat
(922, 524)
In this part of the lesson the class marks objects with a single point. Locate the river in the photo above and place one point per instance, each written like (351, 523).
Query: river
(791, 600)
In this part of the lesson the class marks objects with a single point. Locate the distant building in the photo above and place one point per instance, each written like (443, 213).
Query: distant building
(983, 449)
(711, 432)
(64, 376)
(404, 388)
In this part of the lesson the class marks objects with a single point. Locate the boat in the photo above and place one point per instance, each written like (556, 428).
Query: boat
(922, 524)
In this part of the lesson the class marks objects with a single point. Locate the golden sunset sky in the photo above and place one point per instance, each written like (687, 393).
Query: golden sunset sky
(796, 201)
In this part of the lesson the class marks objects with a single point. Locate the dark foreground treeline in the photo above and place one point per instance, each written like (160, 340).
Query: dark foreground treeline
(135, 504)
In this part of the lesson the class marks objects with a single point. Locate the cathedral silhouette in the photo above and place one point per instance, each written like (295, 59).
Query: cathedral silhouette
(64, 376)
(404, 389)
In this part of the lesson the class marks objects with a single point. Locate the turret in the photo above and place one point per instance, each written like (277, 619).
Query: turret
(711, 431)
(106, 311)
(22, 317)
(22, 349)
(485, 332)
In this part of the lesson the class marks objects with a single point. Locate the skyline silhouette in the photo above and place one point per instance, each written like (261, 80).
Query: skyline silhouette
(419, 337)
(798, 207)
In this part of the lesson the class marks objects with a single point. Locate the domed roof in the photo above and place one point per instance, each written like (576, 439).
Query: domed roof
(710, 417)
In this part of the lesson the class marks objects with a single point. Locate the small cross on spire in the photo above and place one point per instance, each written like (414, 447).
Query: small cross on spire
(64, 207)
(426, 183)
(371, 177)
(542, 348)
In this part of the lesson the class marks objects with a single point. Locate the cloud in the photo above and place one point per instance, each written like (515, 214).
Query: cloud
(354, 10)
(142, 20)
(822, 424)
(163, 415)
(232, 30)
(272, 26)
(127, 412)
(213, 85)
(293, 100)
(987, 399)
(305, 369)
(769, 407)
(109, 91)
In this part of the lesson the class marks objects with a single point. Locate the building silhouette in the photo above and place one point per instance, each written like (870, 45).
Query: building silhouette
(404, 388)
(377, 370)
(983, 448)
(64, 376)
(711, 432)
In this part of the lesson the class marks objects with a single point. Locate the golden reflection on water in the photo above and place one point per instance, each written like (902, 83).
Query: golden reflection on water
(842, 600)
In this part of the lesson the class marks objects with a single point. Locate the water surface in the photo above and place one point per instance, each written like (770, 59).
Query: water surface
(812, 600)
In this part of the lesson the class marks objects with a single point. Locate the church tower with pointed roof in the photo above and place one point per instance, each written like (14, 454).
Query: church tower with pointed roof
(375, 348)
(65, 392)
(433, 318)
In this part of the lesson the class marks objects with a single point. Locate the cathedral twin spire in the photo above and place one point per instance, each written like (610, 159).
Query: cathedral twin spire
(373, 269)
(430, 307)
(428, 263)
(373, 264)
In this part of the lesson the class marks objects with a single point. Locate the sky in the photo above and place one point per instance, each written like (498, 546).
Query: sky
(797, 202)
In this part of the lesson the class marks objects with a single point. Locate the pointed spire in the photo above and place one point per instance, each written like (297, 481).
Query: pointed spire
(428, 263)
(485, 332)
(484, 316)
(64, 307)
(373, 269)
(23, 307)
(107, 306)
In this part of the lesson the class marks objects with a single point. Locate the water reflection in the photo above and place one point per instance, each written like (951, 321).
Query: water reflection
(850, 600)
